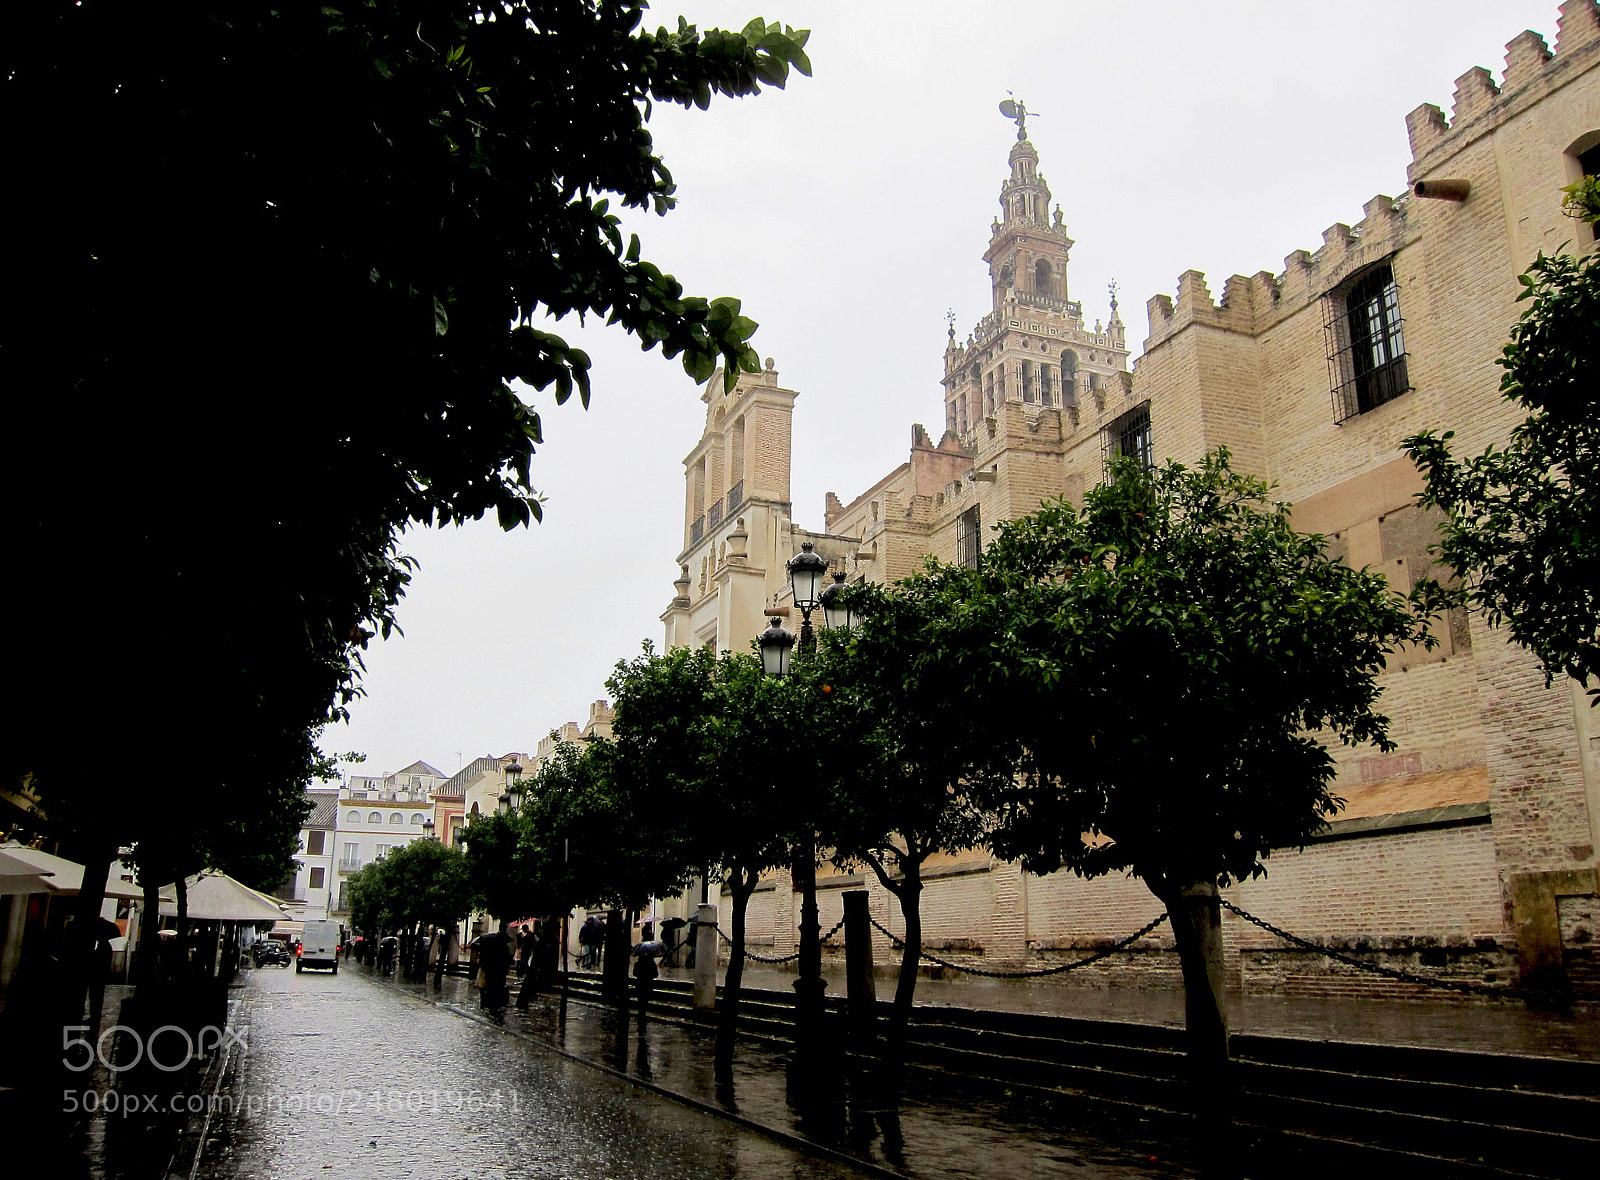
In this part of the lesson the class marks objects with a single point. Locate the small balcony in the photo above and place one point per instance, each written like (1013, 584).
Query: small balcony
(697, 531)
(735, 497)
(349, 864)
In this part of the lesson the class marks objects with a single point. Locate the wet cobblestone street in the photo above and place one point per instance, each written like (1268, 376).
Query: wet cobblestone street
(345, 1077)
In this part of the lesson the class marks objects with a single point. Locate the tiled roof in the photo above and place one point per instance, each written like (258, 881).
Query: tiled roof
(324, 809)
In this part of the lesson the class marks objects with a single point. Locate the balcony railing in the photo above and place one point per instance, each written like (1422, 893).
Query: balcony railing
(349, 864)
(697, 531)
(735, 496)
(714, 517)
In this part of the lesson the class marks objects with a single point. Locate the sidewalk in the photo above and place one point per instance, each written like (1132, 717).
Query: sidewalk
(1496, 1026)
(935, 1127)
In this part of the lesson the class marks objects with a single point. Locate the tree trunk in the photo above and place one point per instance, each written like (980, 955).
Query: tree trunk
(614, 971)
(182, 939)
(909, 895)
(149, 938)
(1197, 925)
(727, 1023)
(86, 918)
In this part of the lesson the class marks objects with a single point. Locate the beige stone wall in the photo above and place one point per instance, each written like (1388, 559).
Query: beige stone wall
(1508, 767)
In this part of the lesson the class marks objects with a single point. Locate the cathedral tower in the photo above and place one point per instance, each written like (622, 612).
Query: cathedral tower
(1033, 347)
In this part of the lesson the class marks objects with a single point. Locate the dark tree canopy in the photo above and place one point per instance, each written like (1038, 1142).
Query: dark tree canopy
(420, 883)
(281, 264)
(1524, 519)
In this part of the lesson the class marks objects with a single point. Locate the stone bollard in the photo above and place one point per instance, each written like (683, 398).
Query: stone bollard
(861, 992)
(705, 959)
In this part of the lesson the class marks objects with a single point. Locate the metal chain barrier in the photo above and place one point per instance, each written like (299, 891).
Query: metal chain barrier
(786, 958)
(1458, 985)
(1072, 966)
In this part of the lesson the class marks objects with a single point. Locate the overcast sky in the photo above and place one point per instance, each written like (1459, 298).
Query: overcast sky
(848, 213)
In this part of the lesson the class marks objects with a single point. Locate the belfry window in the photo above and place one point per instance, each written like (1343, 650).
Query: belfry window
(1366, 348)
(1041, 277)
(1044, 384)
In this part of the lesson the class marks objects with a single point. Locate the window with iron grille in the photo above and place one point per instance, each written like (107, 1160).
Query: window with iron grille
(969, 538)
(1130, 435)
(1366, 347)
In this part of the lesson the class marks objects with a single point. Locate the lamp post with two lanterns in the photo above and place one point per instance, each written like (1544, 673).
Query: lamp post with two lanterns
(806, 570)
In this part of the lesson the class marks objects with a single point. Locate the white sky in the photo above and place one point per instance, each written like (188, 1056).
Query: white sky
(848, 212)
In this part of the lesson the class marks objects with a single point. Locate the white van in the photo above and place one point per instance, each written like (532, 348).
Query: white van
(319, 946)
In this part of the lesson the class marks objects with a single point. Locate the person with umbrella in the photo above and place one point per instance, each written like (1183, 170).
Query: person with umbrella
(644, 966)
(494, 961)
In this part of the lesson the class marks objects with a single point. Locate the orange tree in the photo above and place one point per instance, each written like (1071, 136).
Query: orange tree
(1176, 659)
(283, 262)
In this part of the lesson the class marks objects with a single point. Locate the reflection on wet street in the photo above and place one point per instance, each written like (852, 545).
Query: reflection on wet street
(346, 1077)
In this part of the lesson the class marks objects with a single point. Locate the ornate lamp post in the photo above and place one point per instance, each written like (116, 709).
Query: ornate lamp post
(835, 612)
(806, 570)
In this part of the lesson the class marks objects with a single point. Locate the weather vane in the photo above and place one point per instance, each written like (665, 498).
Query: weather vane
(1013, 108)
(1112, 287)
(950, 319)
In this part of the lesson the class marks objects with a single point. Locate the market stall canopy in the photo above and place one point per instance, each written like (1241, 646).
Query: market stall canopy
(217, 897)
(61, 875)
(18, 876)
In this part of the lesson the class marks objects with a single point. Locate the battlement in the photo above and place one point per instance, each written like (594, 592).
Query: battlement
(1250, 304)
(1531, 72)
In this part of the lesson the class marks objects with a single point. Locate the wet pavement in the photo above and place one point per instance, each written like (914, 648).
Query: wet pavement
(1492, 1026)
(347, 1077)
(933, 1126)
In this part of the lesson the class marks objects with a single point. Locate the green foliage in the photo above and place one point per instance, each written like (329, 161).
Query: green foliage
(420, 883)
(1524, 520)
(1582, 199)
(915, 741)
(1171, 655)
(710, 748)
(290, 333)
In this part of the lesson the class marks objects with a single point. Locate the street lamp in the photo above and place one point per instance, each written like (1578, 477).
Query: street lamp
(513, 795)
(427, 829)
(503, 800)
(806, 569)
(775, 642)
(836, 611)
(805, 583)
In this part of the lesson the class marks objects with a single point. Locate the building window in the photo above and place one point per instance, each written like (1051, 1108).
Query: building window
(314, 842)
(1366, 349)
(318, 878)
(396, 818)
(1041, 277)
(383, 850)
(344, 895)
(352, 855)
(353, 818)
(1027, 382)
(1044, 384)
(1129, 436)
(416, 819)
(969, 538)
(375, 818)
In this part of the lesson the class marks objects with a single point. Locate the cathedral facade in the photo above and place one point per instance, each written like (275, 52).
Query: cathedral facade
(1470, 851)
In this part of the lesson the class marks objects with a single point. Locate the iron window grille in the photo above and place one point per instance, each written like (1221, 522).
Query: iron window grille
(735, 496)
(714, 517)
(1366, 343)
(697, 531)
(969, 538)
(1130, 435)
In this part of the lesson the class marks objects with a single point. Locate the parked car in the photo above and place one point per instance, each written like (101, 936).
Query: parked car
(269, 952)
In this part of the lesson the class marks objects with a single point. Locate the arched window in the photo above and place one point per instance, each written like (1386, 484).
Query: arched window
(416, 819)
(474, 809)
(375, 818)
(353, 818)
(1027, 381)
(1041, 277)
(1069, 373)
(397, 818)
(1044, 384)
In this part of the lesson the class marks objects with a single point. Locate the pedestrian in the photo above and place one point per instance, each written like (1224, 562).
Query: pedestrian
(494, 962)
(524, 950)
(644, 967)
